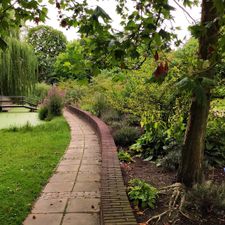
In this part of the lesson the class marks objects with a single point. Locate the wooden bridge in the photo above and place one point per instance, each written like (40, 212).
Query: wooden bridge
(7, 102)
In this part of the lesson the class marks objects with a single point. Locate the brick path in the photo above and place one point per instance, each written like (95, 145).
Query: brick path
(72, 195)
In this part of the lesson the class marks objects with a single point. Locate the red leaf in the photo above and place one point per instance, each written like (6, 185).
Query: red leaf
(156, 56)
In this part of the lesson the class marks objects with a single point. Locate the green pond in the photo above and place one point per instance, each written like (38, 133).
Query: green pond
(18, 117)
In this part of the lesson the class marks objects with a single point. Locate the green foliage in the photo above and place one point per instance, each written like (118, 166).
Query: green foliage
(124, 156)
(99, 105)
(18, 68)
(43, 113)
(207, 197)
(72, 63)
(48, 43)
(171, 161)
(142, 193)
(53, 105)
(110, 116)
(215, 142)
(125, 136)
(159, 138)
(40, 92)
(13, 16)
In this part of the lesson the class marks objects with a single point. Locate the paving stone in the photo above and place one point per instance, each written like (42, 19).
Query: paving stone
(86, 176)
(70, 162)
(49, 206)
(91, 161)
(83, 205)
(87, 186)
(90, 168)
(63, 177)
(81, 219)
(58, 187)
(69, 168)
(43, 219)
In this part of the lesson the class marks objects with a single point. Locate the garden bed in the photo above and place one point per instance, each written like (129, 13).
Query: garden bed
(158, 177)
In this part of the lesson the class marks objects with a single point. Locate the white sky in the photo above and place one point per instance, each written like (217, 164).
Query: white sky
(180, 17)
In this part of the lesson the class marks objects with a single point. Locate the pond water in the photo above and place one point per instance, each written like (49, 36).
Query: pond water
(18, 117)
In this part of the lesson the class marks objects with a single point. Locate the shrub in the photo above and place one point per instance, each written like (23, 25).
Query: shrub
(110, 116)
(52, 105)
(171, 161)
(43, 113)
(215, 142)
(206, 198)
(99, 104)
(124, 156)
(41, 91)
(55, 105)
(142, 193)
(126, 136)
(74, 95)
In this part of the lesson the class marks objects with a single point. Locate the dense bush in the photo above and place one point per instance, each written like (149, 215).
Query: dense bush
(126, 136)
(215, 142)
(41, 91)
(52, 105)
(110, 116)
(207, 198)
(99, 104)
(171, 161)
(142, 193)
(43, 112)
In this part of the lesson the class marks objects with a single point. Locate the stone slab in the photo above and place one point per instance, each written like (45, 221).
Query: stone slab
(81, 219)
(43, 219)
(87, 186)
(67, 168)
(84, 205)
(58, 186)
(49, 206)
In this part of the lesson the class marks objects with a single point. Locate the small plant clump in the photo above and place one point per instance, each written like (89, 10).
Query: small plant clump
(142, 194)
(171, 161)
(206, 198)
(52, 105)
(124, 156)
(126, 136)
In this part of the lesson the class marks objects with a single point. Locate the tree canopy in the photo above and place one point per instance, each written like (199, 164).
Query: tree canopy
(48, 43)
(18, 65)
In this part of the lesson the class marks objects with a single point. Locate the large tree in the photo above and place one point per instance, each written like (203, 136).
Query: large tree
(48, 43)
(146, 31)
(18, 72)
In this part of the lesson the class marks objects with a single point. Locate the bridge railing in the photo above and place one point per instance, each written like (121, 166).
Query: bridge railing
(18, 100)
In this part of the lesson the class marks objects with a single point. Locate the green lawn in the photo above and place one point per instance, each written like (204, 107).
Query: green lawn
(18, 117)
(28, 157)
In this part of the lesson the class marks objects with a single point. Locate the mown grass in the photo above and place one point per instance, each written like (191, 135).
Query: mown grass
(28, 156)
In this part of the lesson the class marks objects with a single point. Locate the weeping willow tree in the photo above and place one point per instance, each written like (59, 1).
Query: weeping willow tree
(17, 68)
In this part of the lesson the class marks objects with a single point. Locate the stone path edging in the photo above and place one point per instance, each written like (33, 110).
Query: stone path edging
(115, 206)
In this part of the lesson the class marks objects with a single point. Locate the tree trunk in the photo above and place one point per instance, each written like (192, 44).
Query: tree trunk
(191, 169)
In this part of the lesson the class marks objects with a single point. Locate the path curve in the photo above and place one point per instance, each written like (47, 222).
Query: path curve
(72, 195)
(87, 187)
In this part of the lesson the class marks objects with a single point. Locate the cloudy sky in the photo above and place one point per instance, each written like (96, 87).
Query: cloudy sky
(181, 18)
